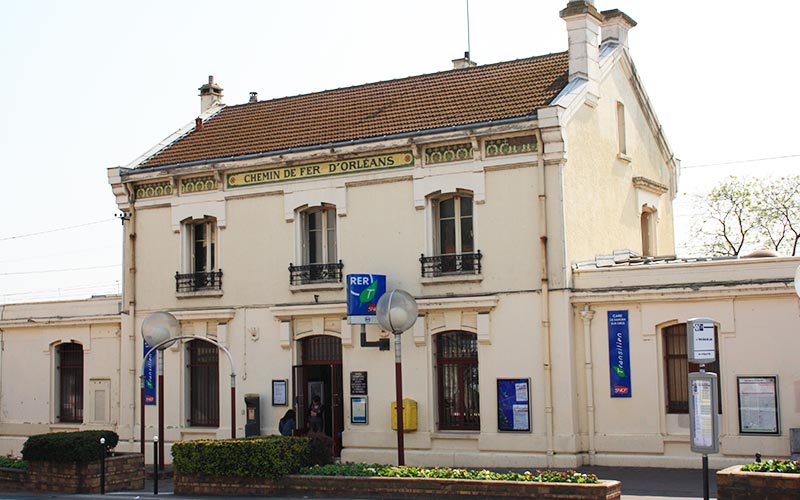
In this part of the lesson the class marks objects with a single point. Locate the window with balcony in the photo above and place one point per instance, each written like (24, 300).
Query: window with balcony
(200, 270)
(318, 248)
(453, 238)
(69, 366)
(457, 381)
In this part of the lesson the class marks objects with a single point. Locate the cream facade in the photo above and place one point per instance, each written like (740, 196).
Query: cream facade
(482, 222)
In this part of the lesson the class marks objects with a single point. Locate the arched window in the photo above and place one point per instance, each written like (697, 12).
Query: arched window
(200, 268)
(317, 251)
(203, 384)
(69, 363)
(677, 368)
(457, 374)
(453, 237)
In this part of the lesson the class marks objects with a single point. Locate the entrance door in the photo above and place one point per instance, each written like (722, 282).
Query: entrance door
(320, 376)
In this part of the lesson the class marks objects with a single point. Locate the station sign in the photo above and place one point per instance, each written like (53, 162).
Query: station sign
(363, 292)
(700, 340)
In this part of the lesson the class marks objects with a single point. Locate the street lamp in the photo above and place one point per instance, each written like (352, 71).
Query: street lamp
(396, 312)
(157, 329)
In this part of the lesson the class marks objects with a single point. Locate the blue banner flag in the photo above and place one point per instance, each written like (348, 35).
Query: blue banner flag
(619, 354)
(149, 376)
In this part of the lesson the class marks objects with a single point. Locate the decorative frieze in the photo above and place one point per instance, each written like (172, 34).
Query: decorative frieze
(153, 190)
(199, 184)
(448, 153)
(511, 146)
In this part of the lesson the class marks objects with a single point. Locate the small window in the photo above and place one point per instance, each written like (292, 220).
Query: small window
(69, 363)
(203, 384)
(457, 374)
(677, 368)
(621, 138)
(648, 226)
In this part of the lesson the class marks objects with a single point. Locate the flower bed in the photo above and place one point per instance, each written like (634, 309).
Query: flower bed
(736, 483)
(415, 482)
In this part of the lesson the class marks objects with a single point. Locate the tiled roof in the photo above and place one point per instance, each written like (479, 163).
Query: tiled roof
(450, 98)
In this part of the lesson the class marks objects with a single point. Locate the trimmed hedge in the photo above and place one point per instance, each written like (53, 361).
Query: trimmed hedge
(66, 447)
(270, 457)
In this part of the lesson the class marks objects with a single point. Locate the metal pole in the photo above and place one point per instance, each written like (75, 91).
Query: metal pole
(102, 466)
(233, 406)
(705, 477)
(155, 465)
(161, 408)
(398, 377)
(141, 418)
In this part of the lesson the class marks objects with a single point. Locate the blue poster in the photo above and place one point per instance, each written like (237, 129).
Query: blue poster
(513, 407)
(149, 376)
(363, 292)
(619, 354)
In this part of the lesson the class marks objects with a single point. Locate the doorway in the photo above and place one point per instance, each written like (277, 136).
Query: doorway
(320, 376)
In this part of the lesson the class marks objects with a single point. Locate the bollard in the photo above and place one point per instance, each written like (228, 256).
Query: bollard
(102, 466)
(155, 465)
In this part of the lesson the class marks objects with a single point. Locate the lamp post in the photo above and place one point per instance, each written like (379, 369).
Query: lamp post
(158, 329)
(396, 312)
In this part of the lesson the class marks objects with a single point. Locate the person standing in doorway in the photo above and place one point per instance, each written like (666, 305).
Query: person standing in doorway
(316, 415)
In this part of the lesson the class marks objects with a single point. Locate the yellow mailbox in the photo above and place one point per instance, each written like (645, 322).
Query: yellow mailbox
(409, 415)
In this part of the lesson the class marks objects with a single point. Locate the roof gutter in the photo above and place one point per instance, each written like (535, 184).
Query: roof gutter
(301, 149)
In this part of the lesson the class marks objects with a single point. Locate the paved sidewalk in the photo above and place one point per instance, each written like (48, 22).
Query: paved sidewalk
(638, 483)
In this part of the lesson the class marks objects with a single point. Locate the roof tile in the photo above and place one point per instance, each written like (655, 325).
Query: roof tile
(465, 96)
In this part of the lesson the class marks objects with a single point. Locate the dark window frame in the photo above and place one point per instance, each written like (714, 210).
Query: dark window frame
(456, 368)
(70, 382)
(203, 368)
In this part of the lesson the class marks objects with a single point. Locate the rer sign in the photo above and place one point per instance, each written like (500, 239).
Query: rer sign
(363, 292)
(700, 340)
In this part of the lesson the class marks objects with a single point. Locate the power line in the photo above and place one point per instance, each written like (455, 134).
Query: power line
(60, 270)
(741, 161)
(55, 230)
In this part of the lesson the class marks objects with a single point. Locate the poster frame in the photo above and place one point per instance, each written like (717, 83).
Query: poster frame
(507, 405)
(776, 405)
(279, 388)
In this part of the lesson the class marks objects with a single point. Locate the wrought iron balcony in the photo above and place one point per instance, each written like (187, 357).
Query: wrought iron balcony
(450, 264)
(193, 282)
(315, 273)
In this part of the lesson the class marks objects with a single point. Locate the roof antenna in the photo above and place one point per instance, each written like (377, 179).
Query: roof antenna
(467, 55)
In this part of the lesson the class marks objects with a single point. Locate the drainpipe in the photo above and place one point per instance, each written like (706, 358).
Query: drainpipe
(129, 300)
(587, 314)
(545, 326)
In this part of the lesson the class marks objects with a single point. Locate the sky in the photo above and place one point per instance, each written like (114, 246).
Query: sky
(90, 85)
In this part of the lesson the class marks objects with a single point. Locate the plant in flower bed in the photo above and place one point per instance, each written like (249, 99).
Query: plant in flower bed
(13, 463)
(784, 466)
(375, 470)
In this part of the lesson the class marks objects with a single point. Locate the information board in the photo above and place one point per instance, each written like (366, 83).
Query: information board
(513, 408)
(358, 410)
(703, 418)
(358, 383)
(758, 405)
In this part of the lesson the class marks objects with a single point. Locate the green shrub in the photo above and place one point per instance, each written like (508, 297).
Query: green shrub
(270, 457)
(67, 447)
(348, 469)
(784, 466)
(13, 463)
(321, 448)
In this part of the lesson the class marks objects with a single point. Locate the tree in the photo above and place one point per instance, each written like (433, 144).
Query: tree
(743, 215)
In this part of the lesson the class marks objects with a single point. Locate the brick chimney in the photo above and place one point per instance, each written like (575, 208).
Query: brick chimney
(615, 27)
(583, 30)
(210, 94)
